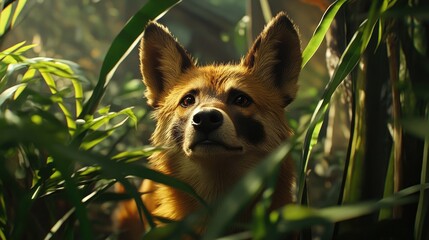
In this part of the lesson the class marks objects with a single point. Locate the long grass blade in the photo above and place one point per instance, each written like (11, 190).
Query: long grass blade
(78, 95)
(13, 48)
(352, 178)
(122, 45)
(320, 32)
(377, 7)
(130, 189)
(71, 124)
(266, 10)
(423, 204)
(347, 62)
(296, 217)
(19, 6)
(59, 223)
(63, 163)
(5, 19)
(6, 94)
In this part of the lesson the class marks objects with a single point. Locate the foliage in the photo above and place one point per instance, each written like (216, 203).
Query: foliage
(58, 157)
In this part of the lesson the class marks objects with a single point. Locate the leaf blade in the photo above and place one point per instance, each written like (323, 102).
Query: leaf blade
(320, 32)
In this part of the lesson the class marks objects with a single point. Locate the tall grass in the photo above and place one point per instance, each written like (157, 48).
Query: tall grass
(57, 163)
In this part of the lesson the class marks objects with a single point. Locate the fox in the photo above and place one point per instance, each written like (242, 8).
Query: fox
(214, 122)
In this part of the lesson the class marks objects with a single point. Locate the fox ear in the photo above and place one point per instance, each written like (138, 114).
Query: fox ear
(163, 60)
(276, 58)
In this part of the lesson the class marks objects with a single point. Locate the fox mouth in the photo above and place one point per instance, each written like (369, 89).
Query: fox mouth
(207, 143)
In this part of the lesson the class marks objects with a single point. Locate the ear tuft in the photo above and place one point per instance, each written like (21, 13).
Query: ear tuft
(163, 60)
(275, 56)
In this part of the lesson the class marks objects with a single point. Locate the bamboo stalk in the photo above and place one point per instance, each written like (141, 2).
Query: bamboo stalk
(393, 58)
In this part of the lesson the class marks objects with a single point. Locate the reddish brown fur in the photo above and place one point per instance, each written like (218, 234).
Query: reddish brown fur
(268, 74)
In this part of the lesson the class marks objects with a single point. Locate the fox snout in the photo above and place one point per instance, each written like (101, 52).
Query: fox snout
(207, 120)
(210, 131)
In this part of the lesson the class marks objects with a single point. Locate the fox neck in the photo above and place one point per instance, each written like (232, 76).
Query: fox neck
(210, 178)
(210, 184)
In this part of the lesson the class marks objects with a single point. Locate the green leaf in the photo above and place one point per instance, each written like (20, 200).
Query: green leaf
(266, 10)
(296, 217)
(52, 66)
(29, 75)
(130, 156)
(423, 203)
(13, 48)
(97, 123)
(375, 11)
(63, 165)
(71, 124)
(320, 32)
(59, 223)
(9, 92)
(96, 137)
(104, 110)
(14, 53)
(4, 18)
(347, 62)
(78, 95)
(122, 45)
(18, 9)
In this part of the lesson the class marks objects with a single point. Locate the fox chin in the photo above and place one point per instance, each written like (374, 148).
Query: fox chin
(215, 122)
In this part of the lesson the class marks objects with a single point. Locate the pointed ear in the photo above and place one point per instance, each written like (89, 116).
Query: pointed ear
(163, 60)
(276, 58)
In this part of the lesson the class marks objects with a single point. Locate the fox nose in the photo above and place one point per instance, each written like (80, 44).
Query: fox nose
(207, 120)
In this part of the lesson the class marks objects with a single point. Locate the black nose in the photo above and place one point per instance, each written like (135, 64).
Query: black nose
(207, 120)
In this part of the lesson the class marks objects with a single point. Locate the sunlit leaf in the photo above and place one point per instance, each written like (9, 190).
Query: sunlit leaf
(67, 114)
(19, 6)
(122, 45)
(98, 136)
(14, 54)
(14, 47)
(266, 10)
(423, 204)
(348, 61)
(29, 74)
(103, 121)
(94, 138)
(78, 95)
(376, 10)
(4, 18)
(320, 32)
(9, 92)
(130, 156)
(104, 110)
(296, 217)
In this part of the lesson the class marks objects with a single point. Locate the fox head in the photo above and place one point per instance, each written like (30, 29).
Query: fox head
(223, 113)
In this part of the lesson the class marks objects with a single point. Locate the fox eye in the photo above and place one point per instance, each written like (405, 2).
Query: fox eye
(243, 100)
(187, 100)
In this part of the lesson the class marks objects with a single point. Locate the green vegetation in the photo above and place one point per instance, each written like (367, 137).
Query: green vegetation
(59, 153)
